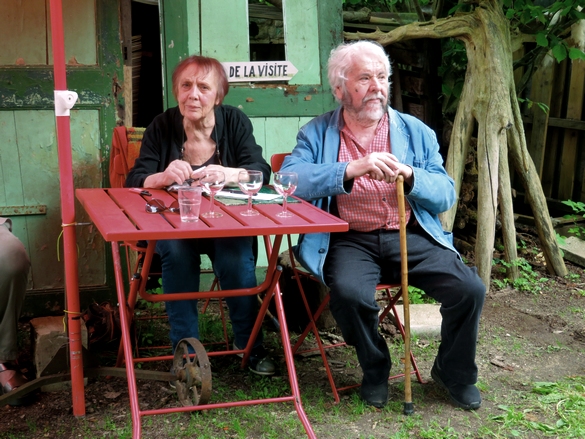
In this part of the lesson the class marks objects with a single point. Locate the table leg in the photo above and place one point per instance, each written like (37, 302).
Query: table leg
(272, 251)
(290, 364)
(137, 285)
(126, 342)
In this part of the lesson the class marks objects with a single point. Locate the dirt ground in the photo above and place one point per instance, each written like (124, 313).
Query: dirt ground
(526, 336)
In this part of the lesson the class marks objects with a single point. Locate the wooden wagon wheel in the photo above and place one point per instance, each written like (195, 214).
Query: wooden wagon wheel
(193, 373)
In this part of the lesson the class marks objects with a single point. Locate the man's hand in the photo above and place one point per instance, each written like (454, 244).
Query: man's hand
(381, 166)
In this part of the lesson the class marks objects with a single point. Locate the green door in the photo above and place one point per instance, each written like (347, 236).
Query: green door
(29, 168)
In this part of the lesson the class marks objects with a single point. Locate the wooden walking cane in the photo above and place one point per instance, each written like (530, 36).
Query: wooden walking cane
(408, 406)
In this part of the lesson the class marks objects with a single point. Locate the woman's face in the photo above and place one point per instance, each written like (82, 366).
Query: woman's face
(197, 93)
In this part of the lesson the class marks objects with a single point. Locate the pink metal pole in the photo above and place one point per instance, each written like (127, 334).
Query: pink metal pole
(68, 216)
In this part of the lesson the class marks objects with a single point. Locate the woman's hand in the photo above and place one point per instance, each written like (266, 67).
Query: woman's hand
(231, 174)
(177, 172)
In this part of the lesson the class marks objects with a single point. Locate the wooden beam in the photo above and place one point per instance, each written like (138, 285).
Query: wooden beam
(574, 111)
(559, 122)
(542, 83)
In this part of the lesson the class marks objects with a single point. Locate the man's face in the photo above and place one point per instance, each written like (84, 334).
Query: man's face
(365, 94)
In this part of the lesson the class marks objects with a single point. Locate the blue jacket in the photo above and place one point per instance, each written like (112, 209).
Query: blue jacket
(321, 177)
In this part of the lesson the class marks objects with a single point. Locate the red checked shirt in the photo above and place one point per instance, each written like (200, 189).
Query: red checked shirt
(372, 204)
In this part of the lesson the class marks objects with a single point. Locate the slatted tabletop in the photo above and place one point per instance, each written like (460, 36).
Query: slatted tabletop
(120, 215)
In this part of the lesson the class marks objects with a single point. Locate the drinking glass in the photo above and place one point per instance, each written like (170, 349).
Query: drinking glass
(189, 203)
(250, 183)
(213, 181)
(285, 184)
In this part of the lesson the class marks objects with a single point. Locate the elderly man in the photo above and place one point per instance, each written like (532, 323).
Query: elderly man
(14, 267)
(348, 161)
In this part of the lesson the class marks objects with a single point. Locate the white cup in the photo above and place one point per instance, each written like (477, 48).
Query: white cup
(189, 203)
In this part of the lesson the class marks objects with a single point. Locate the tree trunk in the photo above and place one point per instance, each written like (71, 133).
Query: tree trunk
(488, 99)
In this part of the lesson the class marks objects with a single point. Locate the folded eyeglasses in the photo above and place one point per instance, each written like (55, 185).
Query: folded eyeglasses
(155, 205)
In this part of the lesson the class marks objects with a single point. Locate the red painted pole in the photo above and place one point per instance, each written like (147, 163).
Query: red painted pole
(68, 216)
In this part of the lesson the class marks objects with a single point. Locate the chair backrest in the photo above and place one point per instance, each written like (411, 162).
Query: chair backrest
(276, 161)
(126, 142)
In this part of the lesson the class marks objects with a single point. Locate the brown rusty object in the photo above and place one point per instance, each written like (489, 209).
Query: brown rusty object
(193, 373)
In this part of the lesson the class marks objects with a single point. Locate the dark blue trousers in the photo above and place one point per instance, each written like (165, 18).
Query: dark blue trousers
(356, 262)
(234, 265)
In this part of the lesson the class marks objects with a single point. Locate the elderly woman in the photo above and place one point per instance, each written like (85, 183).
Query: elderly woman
(203, 132)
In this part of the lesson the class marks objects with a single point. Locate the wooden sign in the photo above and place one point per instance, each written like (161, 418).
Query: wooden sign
(255, 71)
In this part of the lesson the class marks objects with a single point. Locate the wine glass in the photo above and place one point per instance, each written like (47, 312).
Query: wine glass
(213, 181)
(285, 184)
(250, 183)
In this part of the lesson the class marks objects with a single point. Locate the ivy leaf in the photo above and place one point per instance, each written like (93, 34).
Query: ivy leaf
(541, 39)
(575, 53)
(559, 52)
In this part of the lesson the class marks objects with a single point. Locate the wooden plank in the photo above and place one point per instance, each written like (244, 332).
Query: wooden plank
(542, 84)
(574, 111)
(301, 30)
(281, 134)
(516, 55)
(552, 153)
(101, 208)
(560, 122)
(413, 84)
(40, 185)
(11, 175)
(259, 124)
(23, 32)
(79, 28)
(175, 41)
(193, 27)
(224, 30)
(264, 11)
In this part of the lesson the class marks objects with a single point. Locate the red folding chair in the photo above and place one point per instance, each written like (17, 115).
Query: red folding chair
(391, 294)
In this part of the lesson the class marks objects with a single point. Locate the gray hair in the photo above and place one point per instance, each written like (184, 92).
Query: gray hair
(341, 60)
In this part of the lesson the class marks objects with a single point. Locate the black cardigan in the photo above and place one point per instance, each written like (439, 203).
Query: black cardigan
(165, 136)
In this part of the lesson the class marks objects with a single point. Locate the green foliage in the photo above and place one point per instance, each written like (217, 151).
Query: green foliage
(547, 22)
(417, 296)
(528, 279)
(149, 331)
(579, 208)
(529, 103)
(561, 409)
(452, 72)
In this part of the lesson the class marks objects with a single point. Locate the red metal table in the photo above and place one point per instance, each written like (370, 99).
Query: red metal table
(120, 215)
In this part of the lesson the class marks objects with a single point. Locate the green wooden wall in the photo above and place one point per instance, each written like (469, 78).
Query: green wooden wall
(29, 170)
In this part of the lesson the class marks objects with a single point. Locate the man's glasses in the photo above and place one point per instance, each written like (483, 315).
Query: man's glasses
(155, 205)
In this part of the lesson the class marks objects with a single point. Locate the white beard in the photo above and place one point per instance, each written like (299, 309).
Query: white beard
(366, 112)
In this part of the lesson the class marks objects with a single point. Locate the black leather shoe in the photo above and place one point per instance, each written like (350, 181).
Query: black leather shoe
(259, 362)
(465, 396)
(375, 395)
